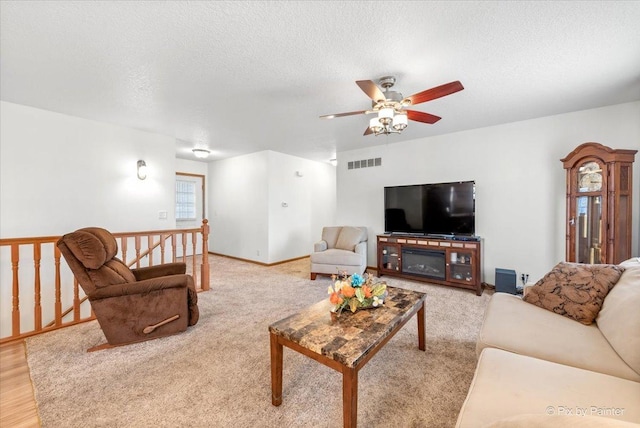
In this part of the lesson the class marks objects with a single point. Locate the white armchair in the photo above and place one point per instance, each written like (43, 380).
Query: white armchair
(342, 249)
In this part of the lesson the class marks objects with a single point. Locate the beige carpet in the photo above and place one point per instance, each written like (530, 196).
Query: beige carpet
(217, 374)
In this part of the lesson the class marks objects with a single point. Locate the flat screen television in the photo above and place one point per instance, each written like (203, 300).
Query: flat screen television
(430, 209)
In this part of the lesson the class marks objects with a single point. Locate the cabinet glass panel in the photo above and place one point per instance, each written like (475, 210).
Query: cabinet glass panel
(391, 257)
(589, 229)
(460, 266)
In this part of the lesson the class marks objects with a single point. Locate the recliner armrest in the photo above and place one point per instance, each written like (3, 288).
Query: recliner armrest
(159, 270)
(141, 287)
(320, 246)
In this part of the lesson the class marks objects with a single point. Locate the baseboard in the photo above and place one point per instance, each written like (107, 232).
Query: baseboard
(368, 269)
(259, 263)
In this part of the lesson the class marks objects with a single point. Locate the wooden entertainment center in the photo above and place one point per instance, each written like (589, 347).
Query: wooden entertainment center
(452, 261)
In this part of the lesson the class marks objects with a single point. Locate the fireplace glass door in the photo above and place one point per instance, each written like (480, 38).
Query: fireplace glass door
(430, 264)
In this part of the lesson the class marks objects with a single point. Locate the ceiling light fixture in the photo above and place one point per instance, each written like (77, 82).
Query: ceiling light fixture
(201, 153)
(392, 119)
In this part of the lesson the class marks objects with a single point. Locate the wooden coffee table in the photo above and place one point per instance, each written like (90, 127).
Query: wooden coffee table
(346, 344)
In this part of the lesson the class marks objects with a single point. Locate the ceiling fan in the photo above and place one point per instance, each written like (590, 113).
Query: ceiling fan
(390, 105)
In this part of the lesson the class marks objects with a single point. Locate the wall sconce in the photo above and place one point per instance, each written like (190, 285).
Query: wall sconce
(142, 170)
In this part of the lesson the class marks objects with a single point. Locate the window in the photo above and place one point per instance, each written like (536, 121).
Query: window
(185, 200)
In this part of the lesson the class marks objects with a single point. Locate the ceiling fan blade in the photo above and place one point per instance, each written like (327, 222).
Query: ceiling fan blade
(371, 89)
(368, 131)
(351, 113)
(434, 93)
(423, 117)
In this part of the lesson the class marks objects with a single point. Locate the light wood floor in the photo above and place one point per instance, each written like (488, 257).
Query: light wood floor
(17, 403)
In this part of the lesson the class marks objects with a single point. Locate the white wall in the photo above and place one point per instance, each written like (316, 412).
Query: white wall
(310, 204)
(246, 197)
(59, 173)
(520, 181)
(238, 206)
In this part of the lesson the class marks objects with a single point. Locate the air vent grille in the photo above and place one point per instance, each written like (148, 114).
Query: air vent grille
(364, 163)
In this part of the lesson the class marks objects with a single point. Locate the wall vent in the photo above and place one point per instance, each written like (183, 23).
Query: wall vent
(364, 163)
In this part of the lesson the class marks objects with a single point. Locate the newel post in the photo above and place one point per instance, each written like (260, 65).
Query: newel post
(204, 268)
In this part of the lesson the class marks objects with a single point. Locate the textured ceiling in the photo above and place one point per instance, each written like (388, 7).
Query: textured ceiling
(242, 76)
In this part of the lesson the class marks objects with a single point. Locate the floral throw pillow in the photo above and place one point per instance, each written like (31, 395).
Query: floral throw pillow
(575, 290)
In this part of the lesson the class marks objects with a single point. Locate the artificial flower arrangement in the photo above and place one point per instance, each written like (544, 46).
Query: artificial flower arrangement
(356, 292)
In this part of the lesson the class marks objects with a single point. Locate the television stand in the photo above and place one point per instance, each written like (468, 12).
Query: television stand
(452, 260)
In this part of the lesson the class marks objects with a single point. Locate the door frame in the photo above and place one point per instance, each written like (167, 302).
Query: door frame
(204, 183)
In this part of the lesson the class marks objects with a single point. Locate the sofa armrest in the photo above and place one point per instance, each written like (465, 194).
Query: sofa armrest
(159, 270)
(361, 248)
(141, 287)
(320, 246)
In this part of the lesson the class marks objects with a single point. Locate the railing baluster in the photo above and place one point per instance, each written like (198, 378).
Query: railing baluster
(204, 274)
(173, 247)
(162, 243)
(123, 247)
(194, 244)
(58, 304)
(137, 251)
(37, 309)
(15, 312)
(150, 249)
(76, 300)
(184, 247)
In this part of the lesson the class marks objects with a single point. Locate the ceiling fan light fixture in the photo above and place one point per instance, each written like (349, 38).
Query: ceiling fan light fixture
(385, 115)
(400, 121)
(392, 118)
(375, 125)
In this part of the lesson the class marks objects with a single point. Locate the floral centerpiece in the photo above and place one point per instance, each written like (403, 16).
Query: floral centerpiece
(356, 292)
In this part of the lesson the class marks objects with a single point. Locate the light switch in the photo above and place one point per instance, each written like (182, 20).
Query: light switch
(162, 215)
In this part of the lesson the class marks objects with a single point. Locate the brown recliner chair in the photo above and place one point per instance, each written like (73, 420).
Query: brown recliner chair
(131, 305)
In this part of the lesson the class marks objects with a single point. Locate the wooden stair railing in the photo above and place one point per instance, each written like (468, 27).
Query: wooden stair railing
(49, 281)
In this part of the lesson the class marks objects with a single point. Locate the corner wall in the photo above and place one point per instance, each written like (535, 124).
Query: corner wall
(246, 197)
(520, 182)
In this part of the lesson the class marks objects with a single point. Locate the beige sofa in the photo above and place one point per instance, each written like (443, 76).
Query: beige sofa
(538, 368)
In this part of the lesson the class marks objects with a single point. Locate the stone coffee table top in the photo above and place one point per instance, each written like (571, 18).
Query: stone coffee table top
(353, 335)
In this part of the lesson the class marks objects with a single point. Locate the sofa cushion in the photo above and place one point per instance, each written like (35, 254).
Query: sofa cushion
(516, 326)
(559, 421)
(330, 235)
(574, 290)
(619, 319)
(349, 237)
(337, 257)
(507, 384)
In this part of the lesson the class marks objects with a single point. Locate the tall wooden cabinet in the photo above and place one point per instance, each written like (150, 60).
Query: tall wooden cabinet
(599, 208)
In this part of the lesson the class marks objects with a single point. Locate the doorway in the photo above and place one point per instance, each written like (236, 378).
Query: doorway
(190, 204)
